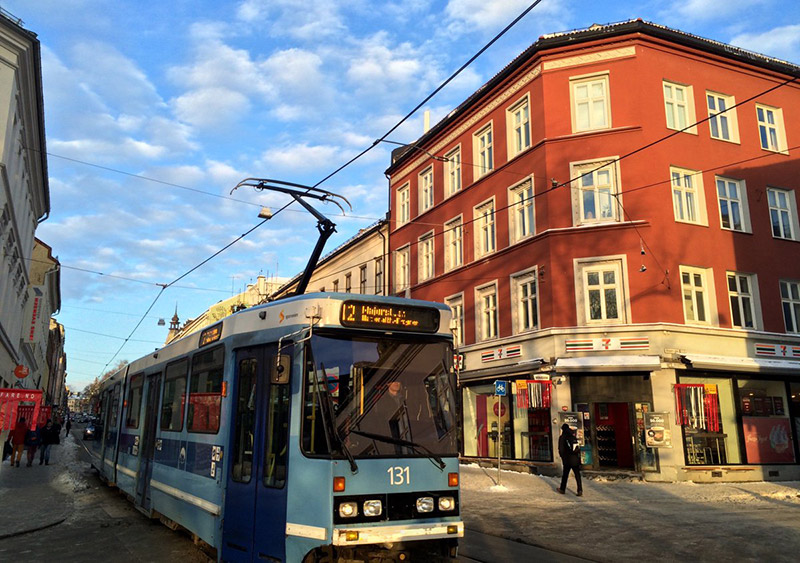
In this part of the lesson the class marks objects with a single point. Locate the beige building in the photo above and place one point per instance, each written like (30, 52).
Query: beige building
(24, 197)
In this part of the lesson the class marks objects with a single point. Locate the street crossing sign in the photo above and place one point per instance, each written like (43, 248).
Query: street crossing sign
(501, 388)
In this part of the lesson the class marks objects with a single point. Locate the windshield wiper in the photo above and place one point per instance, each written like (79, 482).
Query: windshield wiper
(400, 442)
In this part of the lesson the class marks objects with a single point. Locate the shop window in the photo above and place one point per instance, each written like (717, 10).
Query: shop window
(484, 413)
(533, 438)
(205, 391)
(707, 413)
(765, 421)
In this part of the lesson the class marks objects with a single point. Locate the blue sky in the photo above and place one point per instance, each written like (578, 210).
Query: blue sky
(199, 95)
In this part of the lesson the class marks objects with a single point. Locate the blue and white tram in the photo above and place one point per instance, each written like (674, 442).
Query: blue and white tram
(322, 427)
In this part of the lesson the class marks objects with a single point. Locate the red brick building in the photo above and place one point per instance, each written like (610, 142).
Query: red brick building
(613, 219)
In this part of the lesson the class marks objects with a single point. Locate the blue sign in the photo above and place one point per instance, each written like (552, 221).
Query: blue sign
(501, 388)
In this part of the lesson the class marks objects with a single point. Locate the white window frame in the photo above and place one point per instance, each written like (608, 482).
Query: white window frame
(707, 297)
(790, 303)
(523, 306)
(674, 107)
(596, 168)
(577, 100)
(426, 256)
(521, 211)
(453, 171)
(518, 127)
(583, 267)
(783, 204)
(742, 299)
(403, 204)
(379, 276)
(487, 312)
(456, 304)
(771, 136)
(454, 243)
(722, 119)
(483, 149)
(730, 202)
(402, 268)
(485, 228)
(686, 187)
(425, 189)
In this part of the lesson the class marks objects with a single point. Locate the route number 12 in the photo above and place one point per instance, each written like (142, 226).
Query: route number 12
(398, 475)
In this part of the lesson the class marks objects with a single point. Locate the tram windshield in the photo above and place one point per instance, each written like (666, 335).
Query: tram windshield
(380, 396)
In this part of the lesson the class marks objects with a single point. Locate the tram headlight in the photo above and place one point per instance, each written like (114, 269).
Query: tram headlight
(373, 508)
(425, 504)
(447, 503)
(348, 510)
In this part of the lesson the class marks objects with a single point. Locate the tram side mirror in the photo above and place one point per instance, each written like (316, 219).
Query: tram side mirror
(279, 374)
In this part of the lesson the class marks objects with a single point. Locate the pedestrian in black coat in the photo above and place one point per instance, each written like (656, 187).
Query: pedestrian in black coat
(570, 452)
(49, 436)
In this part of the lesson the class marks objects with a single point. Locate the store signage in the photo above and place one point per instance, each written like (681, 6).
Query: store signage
(34, 324)
(767, 440)
(657, 432)
(603, 344)
(778, 350)
(21, 371)
(575, 421)
(502, 353)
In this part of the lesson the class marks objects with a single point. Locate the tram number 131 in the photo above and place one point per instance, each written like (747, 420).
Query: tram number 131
(398, 475)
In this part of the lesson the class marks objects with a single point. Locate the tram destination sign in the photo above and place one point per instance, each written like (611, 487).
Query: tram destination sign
(385, 316)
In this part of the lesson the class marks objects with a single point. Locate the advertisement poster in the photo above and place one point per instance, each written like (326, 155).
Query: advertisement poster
(657, 432)
(575, 421)
(767, 440)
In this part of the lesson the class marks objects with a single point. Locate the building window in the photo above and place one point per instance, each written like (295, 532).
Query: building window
(335, 286)
(453, 244)
(525, 301)
(594, 193)
(483, 150)
(590, 103)
(518, 125)
(402, 266)
(379, 276)
(403, 205)
(521, 210)
(694, 285)
(732, 199)
(741, 293)
(782, 213)
(790, 301)
(426, 190)
(679, 106)
(722, 120)
(602, 292)
(362, 279)
(425, 251)
(453, 171)
(770, 128)
(456, 304)
(486, 298)
(484, 229)
(348, 283)
(687, 195)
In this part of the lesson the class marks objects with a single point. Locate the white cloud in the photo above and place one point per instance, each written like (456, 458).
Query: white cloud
(299, 157)
(693, 10)
(307, 20)
(781, 42)
(211, 107)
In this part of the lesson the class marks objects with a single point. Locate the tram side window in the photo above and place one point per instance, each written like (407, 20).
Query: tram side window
(134, 401)
(111, 422)
(245, 421)
(205, 391)
(276, 439)
(174, 396)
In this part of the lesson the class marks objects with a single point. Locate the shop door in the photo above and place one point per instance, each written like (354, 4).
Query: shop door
(613, 434)
(254, 521)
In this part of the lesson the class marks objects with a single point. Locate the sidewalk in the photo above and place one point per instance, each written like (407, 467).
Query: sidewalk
(628, 520)
(37, 497)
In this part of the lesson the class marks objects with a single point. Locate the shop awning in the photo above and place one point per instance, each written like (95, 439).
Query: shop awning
(701, 361)
(609, 363)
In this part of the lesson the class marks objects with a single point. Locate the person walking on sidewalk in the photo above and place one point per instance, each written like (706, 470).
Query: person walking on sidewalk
(68, 425)
(18, 439)
(569, 450)
(32, 440)
(50, 435)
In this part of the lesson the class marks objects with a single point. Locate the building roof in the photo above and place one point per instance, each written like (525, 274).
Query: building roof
(593, 33)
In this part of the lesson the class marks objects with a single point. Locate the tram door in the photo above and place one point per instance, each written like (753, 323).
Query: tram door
(148, 442)
(254, 523)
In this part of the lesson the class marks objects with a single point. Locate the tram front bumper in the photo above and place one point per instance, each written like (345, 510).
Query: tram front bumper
(406, 532)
